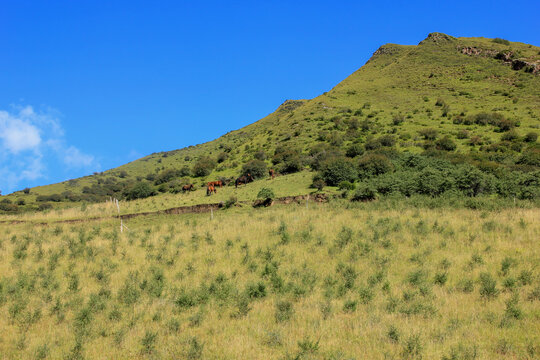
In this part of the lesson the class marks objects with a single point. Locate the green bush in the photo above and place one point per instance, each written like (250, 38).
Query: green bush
(501, 41)
(531, 137)
(203, 167)
(141, 190)
(257, 169)
(346, 185)
(446, 144)
(428, 134)
(222, 156)
(364, 192)
(318, 182)
(291, 165)
(354, 150)
(432, 182)
(266, 193)
(335, 171)
(373, 165)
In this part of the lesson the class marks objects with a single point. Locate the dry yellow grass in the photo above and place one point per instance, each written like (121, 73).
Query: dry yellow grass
(351, 282)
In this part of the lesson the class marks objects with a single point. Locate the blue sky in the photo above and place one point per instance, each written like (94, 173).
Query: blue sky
(89, 85)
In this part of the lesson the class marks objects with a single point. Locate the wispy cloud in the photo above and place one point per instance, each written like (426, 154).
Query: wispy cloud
(30, 142)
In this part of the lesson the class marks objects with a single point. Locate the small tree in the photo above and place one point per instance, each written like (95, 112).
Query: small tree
(257, 169)
(364, 192)
(354, 150)
(373, 165)
(140, 191)
(446, 144)
(335, 171)
(203, 167)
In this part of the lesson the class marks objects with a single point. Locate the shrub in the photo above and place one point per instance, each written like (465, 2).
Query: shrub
(354, 150)
(510, 136)
(346, 185)
(257, 169)
(364, 192)
(260, 155)
(531, 137)
(338, 170)
(488, 286)
(387, 140)
(501, 41)
(432, 182)
(266, 193)
(27, 190)
(530, 156)
(476, 140)
(446, 144)
(291, 165)
(373, 165)
(141, 190)
(203, 167)
(470, 180)
(318, 183)
(398, 119)
(284, 311)
(44, 206)
(222, 156)
(428, 134)
(256, 291)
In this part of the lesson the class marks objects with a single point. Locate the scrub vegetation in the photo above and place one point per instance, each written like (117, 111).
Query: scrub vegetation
(468, 102)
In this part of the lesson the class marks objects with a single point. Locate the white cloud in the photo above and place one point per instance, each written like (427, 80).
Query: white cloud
(18, 134)
(30, 143)
(75, 158)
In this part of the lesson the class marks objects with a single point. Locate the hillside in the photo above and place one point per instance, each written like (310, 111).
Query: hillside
(466, 100)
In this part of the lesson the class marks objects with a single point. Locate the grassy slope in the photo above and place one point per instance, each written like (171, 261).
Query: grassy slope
(396, 80)
(399, 283)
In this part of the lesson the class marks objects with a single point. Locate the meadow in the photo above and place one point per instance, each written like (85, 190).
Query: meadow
(338, 280)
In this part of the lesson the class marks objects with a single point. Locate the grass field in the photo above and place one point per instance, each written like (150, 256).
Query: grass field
(332, 281)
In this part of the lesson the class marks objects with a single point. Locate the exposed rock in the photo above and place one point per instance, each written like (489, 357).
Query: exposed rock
(474, 51)
(506, 56)
(265, 203)
(290, 105)
(518, 64)
(385, 50)
(437, 38)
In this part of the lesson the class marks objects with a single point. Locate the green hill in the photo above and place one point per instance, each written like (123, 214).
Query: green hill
(472, 101)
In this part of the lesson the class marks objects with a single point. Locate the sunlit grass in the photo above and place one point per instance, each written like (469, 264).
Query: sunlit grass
(323, 282)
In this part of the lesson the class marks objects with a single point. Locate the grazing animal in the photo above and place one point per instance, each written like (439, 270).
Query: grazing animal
(216, 183)
(272, 173)
(243, 180)
(210, 190)
(188, 187)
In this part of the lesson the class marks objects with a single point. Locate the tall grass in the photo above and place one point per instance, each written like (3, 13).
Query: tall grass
(348, 282)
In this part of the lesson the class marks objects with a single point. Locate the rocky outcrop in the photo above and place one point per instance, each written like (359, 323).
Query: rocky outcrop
(474, 51)
(506, 56)
(437, 38)
(290, 105)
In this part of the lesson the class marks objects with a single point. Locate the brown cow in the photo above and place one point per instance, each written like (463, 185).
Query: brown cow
(188, 187)
(216, 183)
(210, 190)
(272, 173)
